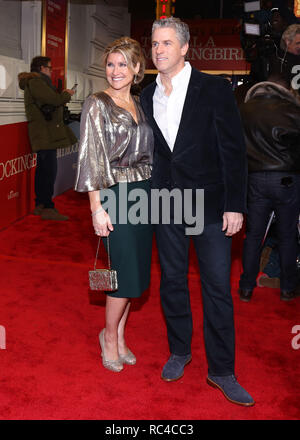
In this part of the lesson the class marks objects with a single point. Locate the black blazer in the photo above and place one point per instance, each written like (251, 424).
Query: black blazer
(209, 150)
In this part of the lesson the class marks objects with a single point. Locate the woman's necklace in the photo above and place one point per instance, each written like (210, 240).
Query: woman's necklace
(122, 99)
(129, 105)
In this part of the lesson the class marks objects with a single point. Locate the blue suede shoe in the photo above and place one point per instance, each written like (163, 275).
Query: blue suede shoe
(174, 368)
(231, 389)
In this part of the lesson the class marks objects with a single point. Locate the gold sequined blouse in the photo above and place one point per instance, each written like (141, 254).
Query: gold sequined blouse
(113, 148)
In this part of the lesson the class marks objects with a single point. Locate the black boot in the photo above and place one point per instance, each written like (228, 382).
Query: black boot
(245, 294)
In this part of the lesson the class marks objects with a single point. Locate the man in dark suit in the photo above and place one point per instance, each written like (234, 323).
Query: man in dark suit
(198, 144)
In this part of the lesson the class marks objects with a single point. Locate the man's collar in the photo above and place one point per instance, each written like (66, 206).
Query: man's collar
(177, 80)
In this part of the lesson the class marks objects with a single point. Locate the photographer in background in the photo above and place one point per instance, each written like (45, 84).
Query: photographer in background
(271, 120)
(263, 24)
(47, 131)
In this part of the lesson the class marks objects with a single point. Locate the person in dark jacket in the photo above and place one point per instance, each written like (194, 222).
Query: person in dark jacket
(271, 119)
(47, 131)
(196, 147)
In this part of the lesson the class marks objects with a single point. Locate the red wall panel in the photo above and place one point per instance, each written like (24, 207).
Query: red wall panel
(17, 167)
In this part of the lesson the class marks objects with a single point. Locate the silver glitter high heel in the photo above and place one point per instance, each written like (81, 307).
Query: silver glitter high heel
(115, 366)
(128, 358)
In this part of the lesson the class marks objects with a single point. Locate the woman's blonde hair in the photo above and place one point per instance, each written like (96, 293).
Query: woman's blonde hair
(131, 51)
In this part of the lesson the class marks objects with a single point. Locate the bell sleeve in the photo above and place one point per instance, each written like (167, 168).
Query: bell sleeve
(92, 152)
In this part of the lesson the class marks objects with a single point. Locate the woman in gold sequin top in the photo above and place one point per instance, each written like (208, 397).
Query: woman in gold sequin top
(115, 153)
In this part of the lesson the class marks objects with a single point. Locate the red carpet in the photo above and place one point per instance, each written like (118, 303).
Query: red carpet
(51, 367)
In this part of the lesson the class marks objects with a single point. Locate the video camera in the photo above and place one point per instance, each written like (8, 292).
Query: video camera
(263, 23)
(258, 38)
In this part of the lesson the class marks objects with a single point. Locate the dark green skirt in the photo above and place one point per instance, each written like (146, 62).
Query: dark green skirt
(130, 247)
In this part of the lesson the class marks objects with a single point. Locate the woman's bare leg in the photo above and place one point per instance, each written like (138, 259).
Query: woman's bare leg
(114, 313)
(121, 331)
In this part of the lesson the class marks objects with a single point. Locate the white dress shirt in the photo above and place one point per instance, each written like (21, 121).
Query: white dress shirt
(167, 110)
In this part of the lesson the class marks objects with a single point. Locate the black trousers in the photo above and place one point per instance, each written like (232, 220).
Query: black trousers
(267, 192)
(214, 256)
(45, 175)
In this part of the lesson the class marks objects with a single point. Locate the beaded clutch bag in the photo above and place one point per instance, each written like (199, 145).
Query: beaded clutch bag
(103, 279)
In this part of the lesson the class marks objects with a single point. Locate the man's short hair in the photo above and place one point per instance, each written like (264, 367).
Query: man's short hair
(289, 34)
(38, 62)
(181, 28)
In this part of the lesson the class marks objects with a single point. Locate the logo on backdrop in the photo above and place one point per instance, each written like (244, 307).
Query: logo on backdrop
(62, 152)
(17, 165)
(12, 195)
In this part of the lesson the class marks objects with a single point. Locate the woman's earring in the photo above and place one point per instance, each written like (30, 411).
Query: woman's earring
(134, 79)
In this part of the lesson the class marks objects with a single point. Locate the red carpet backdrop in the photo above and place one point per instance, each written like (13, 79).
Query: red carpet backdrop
(50, 363)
